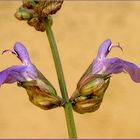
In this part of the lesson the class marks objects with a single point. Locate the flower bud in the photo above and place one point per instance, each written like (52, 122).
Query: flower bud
(35, 11)
(27, 4)
(24, 14)
(49, 7)
(89, 94)
(41, 94)
(37, 23)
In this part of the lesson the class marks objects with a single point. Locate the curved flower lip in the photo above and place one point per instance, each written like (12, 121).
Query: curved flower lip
(105, 66)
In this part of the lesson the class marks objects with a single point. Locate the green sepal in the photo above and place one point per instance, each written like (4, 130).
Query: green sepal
(24, 14)
(41, 94)
(88, 96)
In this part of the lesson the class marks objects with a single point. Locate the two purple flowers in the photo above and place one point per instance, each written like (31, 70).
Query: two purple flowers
(90, 88)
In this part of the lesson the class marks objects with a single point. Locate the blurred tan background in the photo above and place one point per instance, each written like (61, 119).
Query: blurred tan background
(79, 27)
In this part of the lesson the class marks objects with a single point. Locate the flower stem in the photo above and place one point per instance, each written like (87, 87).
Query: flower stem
(67, 106)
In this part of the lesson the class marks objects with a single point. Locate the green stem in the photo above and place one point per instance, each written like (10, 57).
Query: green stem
(67, 106)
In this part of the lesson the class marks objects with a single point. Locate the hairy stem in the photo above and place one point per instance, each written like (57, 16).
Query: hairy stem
(67, 106)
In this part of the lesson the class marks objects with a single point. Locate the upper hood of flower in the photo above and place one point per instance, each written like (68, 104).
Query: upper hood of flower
(21, 52)
(104, 49)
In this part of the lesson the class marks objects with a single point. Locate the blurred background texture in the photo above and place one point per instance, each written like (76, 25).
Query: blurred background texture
(79, 27)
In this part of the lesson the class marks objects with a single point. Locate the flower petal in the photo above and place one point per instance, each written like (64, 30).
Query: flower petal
(104, 50)
(22, 53)
(17, 74)
(11, 74)
(133, 71)
(117, 65)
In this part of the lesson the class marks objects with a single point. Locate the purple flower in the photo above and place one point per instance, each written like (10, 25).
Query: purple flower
(21, 73)
(40, 91)
(93, 84)
(103, 65)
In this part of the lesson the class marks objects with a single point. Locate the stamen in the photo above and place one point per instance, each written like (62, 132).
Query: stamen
(115, 46)
(13, 52)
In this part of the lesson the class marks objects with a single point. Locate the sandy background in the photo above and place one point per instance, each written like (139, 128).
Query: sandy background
(79, 28)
